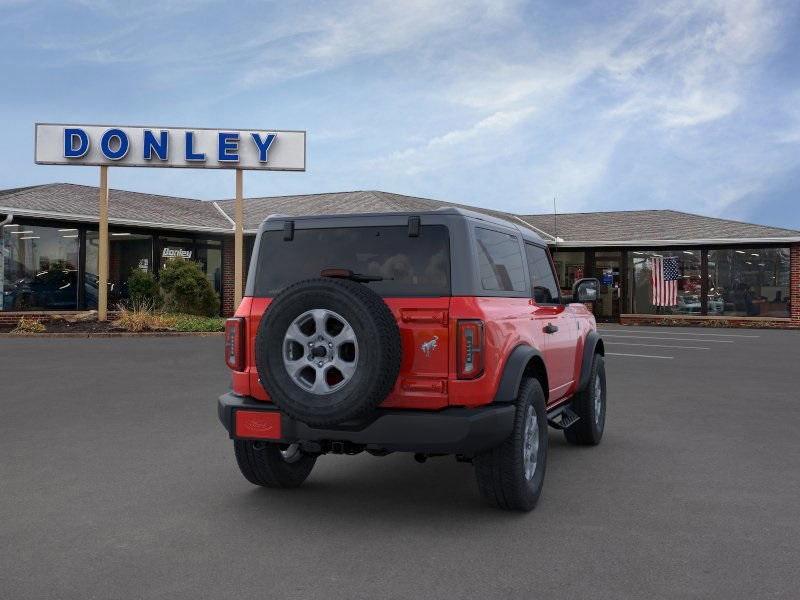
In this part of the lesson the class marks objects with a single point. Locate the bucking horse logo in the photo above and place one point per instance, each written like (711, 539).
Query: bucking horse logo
(429, 346)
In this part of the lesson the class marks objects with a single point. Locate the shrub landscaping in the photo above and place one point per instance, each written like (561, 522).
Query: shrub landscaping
(181, 300)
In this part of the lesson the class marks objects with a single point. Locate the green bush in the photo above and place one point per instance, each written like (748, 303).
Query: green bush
(186, 289)
(143, 289)
(195, 323)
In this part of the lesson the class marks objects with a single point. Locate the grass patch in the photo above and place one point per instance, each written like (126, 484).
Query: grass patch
(26, 325)
(142, 317)
(183, 322)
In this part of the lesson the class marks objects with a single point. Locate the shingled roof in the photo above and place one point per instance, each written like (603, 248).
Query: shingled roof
(639, 227)
(79, 203)
(635, 226)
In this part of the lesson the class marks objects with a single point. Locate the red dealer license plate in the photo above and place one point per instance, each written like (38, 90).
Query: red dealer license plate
(257, 424)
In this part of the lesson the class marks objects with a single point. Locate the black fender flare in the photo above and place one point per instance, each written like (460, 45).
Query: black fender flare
(513, 372)
(593, 345)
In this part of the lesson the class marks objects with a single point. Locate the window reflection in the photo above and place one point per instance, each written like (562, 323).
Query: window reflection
(500, 261)
(647, 294)
(570, 267)
(209, 255)
(39, 268)
(748, 282)
(128, 251)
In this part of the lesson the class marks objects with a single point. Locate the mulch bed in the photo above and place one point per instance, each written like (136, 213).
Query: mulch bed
(61, 326)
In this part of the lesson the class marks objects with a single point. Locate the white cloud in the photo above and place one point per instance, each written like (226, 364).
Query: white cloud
(651, 103)
(679, 67)
(476, 143)
(335, 36)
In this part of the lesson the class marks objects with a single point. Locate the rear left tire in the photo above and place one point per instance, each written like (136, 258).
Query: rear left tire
(273, 465)
(511, 476)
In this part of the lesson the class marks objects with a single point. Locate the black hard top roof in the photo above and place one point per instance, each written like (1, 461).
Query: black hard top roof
(450, 211)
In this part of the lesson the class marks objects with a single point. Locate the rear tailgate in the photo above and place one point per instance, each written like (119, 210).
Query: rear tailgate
(424, 332)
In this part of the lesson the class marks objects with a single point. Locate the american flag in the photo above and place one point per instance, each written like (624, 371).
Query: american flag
(664, 277)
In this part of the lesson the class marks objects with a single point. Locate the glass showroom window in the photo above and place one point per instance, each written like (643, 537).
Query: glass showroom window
(209, 255)
(128, 252)
(746, 282)
(175, 247)
(40, 268)
(678, 288)
(570, 267)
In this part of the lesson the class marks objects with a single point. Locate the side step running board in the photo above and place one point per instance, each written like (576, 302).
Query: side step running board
(562, 417)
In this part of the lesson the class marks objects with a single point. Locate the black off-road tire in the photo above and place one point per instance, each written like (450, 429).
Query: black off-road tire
(263, 464)
(379, 351)
(501, 471)
(588, 430)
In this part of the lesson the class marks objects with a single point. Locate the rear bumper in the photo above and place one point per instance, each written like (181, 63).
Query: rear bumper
(466, 431)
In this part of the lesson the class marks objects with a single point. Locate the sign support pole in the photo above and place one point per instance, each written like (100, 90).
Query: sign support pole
(238, 242)
(102, 255)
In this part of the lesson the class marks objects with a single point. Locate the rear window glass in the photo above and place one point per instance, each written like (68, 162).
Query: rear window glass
(410, 266)
(500, 261)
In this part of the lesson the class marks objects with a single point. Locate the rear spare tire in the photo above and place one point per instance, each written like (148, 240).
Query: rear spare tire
(327, 351)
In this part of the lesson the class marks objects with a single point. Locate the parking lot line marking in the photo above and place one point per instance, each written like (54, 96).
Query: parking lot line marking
(657, 345)
(651, 337)
(736, 335)
(638, 355)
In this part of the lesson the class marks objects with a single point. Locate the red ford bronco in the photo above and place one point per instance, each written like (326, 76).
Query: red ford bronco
(440, 332)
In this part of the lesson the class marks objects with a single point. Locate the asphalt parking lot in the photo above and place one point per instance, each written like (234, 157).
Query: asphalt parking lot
(118, 482)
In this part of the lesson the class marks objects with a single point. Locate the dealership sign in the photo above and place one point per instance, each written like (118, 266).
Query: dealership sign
(176, 253)
(193, 148)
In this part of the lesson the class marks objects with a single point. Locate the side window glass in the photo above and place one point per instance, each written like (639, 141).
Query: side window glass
(500, 261)
(544, 285)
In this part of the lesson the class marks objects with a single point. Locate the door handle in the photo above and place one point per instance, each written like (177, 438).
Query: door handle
(550, 328)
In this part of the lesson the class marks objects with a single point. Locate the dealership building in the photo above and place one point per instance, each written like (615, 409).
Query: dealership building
(728, 272)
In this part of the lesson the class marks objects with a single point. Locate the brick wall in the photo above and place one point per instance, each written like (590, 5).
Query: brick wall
(709, 321)
(794, 282)
(227, 277)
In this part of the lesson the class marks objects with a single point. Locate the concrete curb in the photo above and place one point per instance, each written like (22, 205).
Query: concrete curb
(115, 334)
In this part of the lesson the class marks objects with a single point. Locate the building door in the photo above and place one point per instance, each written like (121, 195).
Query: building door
(607, 268)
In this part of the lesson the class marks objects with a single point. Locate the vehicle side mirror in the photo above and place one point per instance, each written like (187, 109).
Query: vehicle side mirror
(585, 290)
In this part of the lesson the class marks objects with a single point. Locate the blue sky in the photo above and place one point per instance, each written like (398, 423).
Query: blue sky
(605, 105)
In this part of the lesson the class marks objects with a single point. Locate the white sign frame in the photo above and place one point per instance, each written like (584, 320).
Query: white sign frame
(286, 151)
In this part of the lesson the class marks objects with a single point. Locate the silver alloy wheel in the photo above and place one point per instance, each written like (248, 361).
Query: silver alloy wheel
(530, 447)
(598, 399)
(320, 351)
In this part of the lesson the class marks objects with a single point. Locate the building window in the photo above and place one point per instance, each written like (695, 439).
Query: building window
(747, 282)
(128, 252)
(500, 261)
(666, 282)
(39, 268)
(174, 247)
(209, 255)
(570, 267)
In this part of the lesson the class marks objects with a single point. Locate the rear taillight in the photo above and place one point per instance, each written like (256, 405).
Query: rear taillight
(470, 349)
(234, 343)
